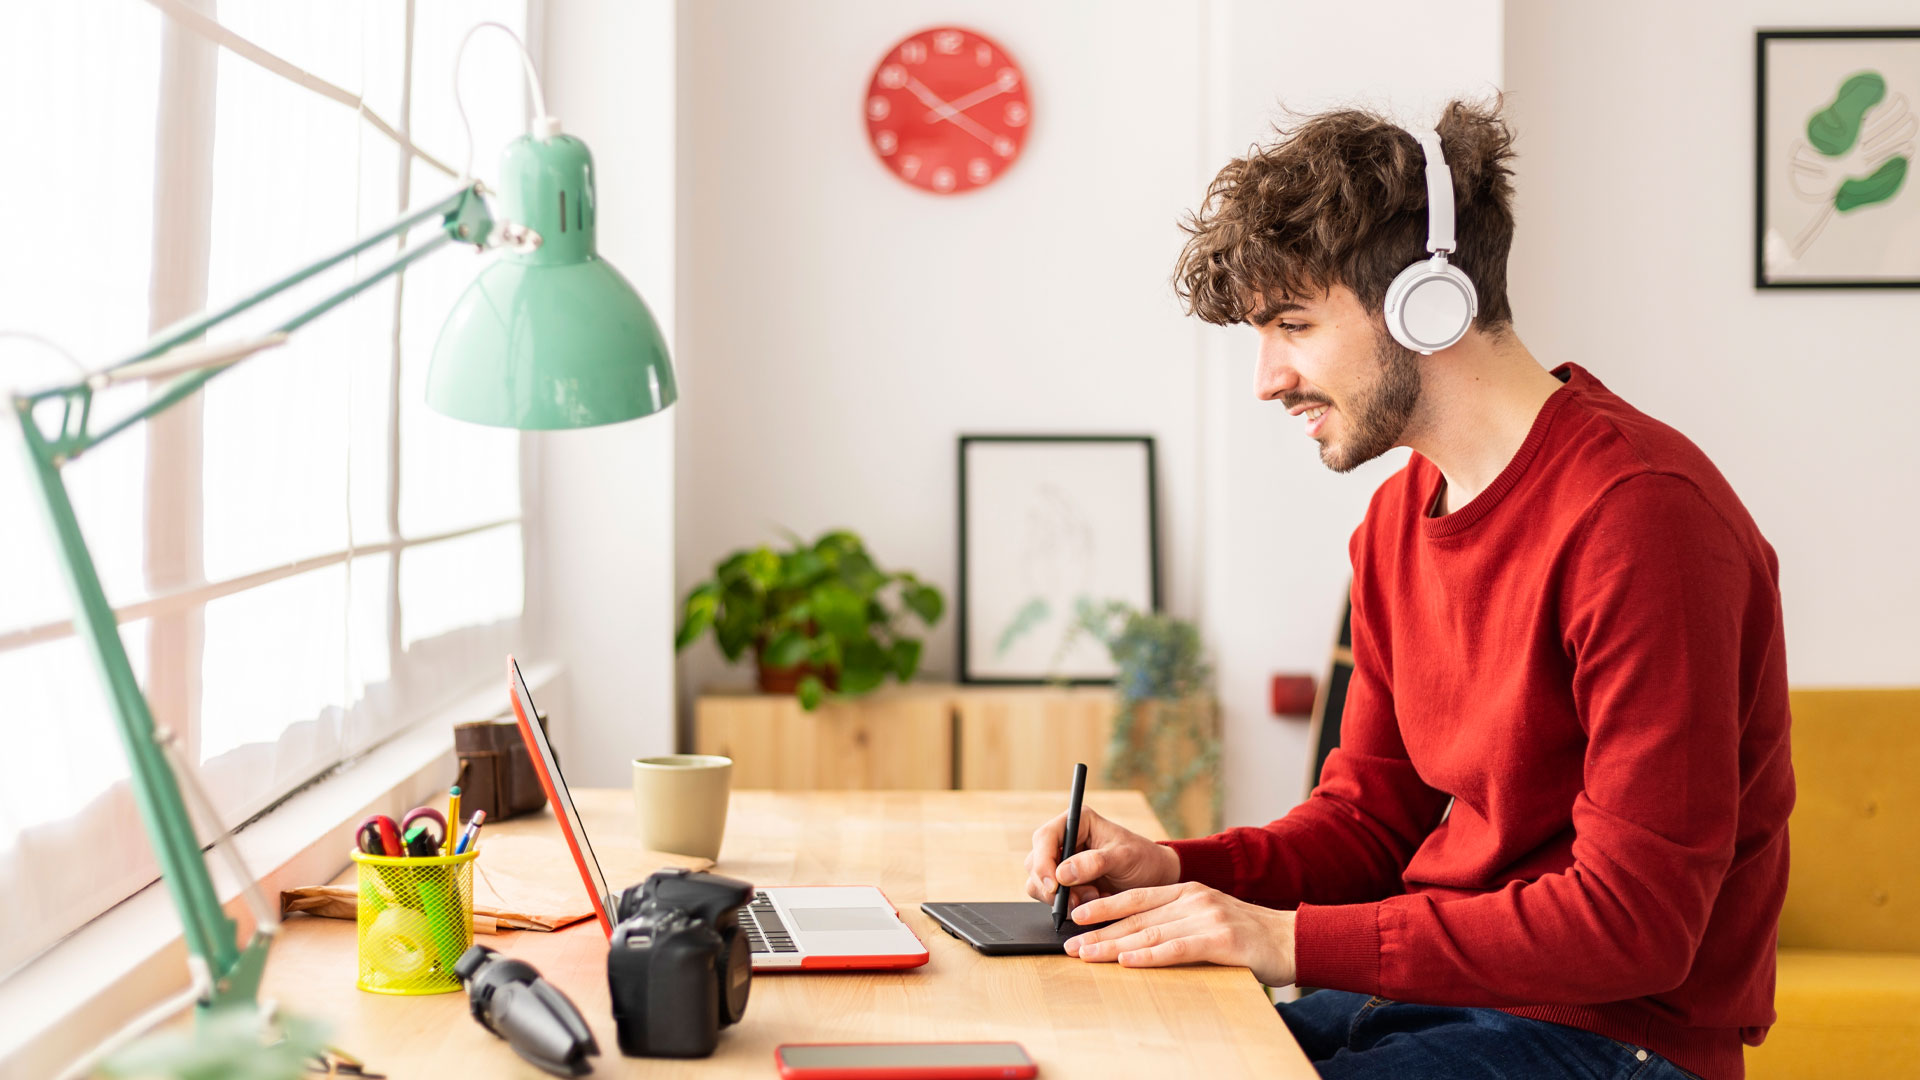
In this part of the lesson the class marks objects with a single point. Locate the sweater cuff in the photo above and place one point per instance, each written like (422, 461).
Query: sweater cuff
(1207, 860)
(1338, 947)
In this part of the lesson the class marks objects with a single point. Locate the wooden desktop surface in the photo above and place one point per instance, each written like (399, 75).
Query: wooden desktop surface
(1075, 1018)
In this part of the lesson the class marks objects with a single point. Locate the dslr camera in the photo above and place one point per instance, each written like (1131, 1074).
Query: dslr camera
(678, 967)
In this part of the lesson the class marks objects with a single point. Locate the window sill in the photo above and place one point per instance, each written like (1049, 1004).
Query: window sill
(77, 994)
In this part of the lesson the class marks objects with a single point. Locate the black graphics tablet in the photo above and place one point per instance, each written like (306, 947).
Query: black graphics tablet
(1019, 928)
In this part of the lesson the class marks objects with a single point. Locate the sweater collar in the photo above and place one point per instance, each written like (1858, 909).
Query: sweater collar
(1576, 380)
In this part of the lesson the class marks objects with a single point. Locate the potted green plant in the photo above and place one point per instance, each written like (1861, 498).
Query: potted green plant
(1165, 734)
(819, 617)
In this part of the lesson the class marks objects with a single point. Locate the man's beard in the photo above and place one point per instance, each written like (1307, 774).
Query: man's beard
(1379, 417)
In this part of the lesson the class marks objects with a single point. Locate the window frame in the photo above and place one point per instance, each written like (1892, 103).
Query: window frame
(175, 588)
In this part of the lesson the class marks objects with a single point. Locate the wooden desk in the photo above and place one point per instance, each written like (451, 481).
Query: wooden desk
(1076, 1019)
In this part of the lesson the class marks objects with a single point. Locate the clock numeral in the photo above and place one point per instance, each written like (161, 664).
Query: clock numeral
(1007, 78)
(886, 142)
(1016, 114)
(910, 166)
(948, 41)
(983, 55)
(893, 76)
(979, 170)
(1003, 146)
(913, 52)
(943, 179)
(878, 107)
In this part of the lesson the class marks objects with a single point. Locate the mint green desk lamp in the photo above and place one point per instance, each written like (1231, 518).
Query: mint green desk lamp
(549, 336)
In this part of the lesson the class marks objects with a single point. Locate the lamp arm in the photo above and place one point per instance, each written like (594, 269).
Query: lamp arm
(464, 218)
(209, 933)
(231, 974)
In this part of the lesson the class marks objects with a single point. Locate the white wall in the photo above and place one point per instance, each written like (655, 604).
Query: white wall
(1276, 521)
(1634, 259)
(839, 329)
(600, 542)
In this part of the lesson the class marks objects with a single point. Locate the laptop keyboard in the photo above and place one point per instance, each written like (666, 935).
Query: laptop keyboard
(765, 932)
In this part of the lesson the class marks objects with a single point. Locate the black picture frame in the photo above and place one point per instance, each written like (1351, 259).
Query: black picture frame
(964, 607)
(1763, 40)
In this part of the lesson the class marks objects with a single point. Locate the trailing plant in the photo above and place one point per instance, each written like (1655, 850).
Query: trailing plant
(1162, 675)
(824, 609)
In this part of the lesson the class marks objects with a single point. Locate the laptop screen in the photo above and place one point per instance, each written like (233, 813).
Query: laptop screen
(537, 738)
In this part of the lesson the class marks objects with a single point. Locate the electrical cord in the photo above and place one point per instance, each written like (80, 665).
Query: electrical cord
(544, 126)
(266, 919)
(28, 335)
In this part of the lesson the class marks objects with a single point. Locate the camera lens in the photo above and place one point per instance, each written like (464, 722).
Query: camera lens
(736, 979)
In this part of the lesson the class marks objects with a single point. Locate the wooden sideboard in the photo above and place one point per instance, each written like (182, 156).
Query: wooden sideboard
(931, 737)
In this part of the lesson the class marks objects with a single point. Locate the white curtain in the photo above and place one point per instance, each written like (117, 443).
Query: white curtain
(305, 558)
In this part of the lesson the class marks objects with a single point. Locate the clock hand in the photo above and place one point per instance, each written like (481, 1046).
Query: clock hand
(964, 123)
(919, 90)
(971, 127)
(968, 101)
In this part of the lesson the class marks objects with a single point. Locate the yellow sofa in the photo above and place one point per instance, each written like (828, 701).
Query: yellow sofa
(1848, 990)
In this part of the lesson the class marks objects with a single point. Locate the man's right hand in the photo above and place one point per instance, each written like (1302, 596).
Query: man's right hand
(1108, 859)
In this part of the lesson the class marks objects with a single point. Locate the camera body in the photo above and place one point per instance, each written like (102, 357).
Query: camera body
(678, 967)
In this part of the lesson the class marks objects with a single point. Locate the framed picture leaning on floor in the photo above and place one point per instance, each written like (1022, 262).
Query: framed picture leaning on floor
(1046, 522)
(1838, 120)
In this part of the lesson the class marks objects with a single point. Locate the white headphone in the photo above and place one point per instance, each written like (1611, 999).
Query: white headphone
(1432, 303)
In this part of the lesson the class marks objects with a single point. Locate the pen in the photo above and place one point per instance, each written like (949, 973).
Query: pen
(453, 818)
(1067, 840)
(472, 832)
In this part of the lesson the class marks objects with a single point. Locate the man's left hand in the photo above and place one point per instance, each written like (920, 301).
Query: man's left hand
(1184, 924)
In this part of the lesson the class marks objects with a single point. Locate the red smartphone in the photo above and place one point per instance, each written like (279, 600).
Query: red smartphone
(911, 1061)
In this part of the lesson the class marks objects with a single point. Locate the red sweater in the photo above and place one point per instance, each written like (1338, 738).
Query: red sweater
(1563, 777)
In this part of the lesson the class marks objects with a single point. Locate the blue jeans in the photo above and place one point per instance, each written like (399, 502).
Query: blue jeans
(1352, 1035)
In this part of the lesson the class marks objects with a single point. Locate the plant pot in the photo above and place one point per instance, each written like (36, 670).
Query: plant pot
(786, 680)
(1164, 741)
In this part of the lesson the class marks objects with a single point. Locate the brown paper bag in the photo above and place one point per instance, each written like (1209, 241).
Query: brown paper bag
(519, 882)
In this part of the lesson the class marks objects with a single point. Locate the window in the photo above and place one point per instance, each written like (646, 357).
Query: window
(303, 556)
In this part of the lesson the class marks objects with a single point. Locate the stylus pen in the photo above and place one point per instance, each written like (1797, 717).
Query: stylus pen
(1067, 841)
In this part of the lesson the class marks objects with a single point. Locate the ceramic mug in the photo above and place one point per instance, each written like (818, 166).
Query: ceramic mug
(681, 802)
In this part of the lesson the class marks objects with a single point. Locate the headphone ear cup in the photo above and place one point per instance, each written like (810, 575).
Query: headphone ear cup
(1430, 305)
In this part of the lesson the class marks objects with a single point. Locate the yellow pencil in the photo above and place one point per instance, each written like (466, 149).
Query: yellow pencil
(453, 819)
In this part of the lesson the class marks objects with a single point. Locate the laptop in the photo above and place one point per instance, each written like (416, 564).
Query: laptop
(788, 928)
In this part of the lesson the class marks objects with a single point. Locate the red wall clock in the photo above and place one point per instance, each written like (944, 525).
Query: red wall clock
(947, 110)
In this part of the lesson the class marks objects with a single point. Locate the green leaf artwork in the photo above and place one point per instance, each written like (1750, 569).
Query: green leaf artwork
(1856, 154)
(1832, 130)
(1877, 187)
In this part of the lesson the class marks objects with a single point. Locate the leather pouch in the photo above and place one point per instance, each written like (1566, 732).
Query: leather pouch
(496, 770)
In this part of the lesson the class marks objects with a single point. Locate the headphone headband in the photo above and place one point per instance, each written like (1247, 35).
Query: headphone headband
(1432, 303)
(1439, 194)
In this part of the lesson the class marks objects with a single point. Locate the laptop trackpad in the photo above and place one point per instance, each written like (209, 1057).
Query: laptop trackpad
(842, 918)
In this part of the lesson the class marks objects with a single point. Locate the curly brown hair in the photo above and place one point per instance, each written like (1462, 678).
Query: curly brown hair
(1341, 198)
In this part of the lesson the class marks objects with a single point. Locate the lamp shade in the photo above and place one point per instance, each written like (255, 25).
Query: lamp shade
(551, 337)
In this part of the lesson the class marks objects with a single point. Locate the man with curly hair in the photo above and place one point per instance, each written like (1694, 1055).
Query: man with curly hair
(1553, 840)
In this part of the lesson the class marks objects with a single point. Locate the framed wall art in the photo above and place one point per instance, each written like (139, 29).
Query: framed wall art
(1046, 522)
(1838, 114)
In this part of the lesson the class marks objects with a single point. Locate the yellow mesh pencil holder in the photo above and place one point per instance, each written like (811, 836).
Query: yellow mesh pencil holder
(415, 919)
